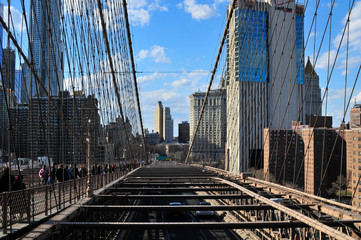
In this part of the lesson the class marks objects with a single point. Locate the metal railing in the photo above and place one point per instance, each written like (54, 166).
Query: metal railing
(25, 205)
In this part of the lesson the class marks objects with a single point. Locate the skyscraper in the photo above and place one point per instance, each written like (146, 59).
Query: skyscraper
(8, 67)
(265, 76)
(210, 141)
(158, 120)
(45, 46)
(313, 103)
(183, 132)
(167, 125)
(163, 123)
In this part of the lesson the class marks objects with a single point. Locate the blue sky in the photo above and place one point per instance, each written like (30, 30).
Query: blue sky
(175, 45)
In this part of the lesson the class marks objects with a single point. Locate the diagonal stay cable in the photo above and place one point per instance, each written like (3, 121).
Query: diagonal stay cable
(113, 72)
(133, 71)
(212, 77)
(36, 76)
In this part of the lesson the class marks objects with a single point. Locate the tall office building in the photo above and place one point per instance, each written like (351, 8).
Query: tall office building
(158, 120)
(265, 76)
(210, 141)
(355, 116)
(24, 97)
(1, 29)
(313, 104)
(183, 132)
(45, 50)
(8, 67)
(163, 123)
(49, 136)
(18, 83)
(167, 125)
(7, 100)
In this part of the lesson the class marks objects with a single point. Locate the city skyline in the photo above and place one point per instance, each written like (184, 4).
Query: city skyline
(173, 66)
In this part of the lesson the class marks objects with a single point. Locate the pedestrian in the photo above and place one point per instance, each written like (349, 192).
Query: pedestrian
(4, 180)
(18, 206)
(18, 184)
(74, 171)
(53, 173)
(83, 171)
(67, 174)
(60, 173)
(44, 175)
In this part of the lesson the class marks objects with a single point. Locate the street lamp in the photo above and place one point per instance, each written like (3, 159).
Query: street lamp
(90, 111)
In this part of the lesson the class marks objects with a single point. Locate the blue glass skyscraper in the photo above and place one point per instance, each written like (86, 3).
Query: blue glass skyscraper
(45, 49)
(265, 76)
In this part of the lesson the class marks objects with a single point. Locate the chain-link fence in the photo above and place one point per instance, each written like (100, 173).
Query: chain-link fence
(24, 205)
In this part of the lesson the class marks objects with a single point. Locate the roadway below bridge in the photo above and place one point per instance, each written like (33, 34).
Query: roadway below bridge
(171, 201)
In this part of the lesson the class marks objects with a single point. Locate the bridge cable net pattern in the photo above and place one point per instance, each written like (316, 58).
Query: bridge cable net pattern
(265, 106)
(77, 84)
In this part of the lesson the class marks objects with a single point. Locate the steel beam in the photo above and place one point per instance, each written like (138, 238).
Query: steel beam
(297, 215)
(186, 207)
(220, 189)
(195, 225)
(147, 184)
(223, 196)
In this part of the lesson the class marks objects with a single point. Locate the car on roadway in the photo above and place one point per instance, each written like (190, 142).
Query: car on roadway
(205, 213)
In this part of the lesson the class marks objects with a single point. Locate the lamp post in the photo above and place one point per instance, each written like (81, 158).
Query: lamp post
(89, 110)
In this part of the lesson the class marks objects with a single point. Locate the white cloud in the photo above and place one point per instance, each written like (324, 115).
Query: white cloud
(139, 16)
(180, 83)
(355, 29)
(161, 95)
(16, 17)
(357, 98)
(140, 11)
(198, 11)
(326, 59)
(157, 53)
(136, 3)
(153, 77)
(142, 54)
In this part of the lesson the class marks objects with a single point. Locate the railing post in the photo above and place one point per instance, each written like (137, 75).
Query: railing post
(59, 197)
(70, 188)
(46, 200)
(28, 204)
(5, 213)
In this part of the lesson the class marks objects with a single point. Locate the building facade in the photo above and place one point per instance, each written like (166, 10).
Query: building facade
(209, 144)
(7, 101)
(355, 116)
(163, 123)
(313, 103)
(310, 157)
(353, 175)
(158, 120)
(19, 117)
(49, 136)
(8, 68)
(45, 52)
(183, 132)
(167, 125)
(265, 76)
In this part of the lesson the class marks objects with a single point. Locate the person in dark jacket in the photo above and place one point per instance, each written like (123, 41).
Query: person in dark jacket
(52, 173)
(60, 173)
(4, 180)
(18, 184)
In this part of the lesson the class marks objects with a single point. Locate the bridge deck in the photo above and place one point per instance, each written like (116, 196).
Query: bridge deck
(165, 211)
